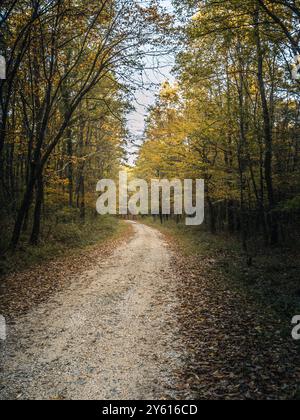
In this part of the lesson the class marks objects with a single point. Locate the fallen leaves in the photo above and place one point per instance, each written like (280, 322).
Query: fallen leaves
(234, 346)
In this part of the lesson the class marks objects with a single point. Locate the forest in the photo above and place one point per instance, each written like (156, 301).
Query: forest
(231, 117)
(69, 79)
(229, 113)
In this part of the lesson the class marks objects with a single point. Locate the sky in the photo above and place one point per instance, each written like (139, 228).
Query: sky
(145, 97)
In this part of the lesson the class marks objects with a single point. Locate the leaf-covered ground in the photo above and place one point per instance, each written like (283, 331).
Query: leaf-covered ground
(238, 347)
(235, 349)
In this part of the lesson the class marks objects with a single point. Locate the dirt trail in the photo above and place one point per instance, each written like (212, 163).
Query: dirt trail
(112, 334)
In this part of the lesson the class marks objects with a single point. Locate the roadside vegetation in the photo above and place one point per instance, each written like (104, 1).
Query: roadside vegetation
(235, 319)
(62, 235)
(272, 277)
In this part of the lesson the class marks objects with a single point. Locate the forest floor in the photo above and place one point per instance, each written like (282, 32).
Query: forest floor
(235, 319)
(156, 316)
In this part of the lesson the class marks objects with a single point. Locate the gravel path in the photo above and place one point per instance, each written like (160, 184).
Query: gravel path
(112, 334)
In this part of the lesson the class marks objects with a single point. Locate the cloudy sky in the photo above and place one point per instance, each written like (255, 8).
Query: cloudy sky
(160, 70)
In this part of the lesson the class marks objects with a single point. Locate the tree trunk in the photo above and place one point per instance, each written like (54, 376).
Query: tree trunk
(82, 200)
(70, 166)
(37, 211)
(212, 216)
(27, 199)
(230, 216)
(268, 136)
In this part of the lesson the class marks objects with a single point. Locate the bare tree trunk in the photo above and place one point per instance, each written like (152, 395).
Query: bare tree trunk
(70, 165)
(82, 200)
(37, 211)
(27, 199)
(212, 216)
(268, 172)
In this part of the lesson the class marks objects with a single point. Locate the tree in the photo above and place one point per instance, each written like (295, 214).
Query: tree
(234, 90)
(60, 53)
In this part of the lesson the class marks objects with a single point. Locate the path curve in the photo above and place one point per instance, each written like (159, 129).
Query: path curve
(112, 334)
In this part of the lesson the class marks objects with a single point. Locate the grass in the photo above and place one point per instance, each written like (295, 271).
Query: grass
(62, 236)
(273, 280)
(194, 240)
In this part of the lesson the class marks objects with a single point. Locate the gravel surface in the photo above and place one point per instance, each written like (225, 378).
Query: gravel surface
(111, 334)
